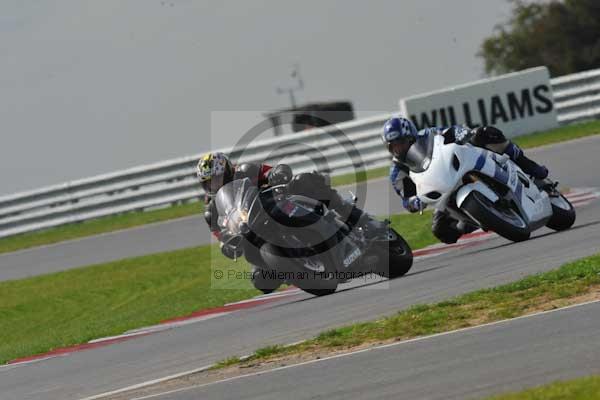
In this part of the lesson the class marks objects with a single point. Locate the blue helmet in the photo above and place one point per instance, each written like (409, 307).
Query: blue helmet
(399, 130)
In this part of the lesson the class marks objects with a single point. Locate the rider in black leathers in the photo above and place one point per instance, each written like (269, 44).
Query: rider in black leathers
(215, 170)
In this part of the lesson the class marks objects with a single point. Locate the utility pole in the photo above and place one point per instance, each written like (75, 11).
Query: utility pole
(295, 74)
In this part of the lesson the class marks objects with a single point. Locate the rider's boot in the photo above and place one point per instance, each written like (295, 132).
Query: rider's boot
(530, 167)
(444, 227)
(447, 229)
(465, 228)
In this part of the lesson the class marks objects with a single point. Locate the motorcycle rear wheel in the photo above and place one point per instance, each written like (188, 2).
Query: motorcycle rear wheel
(563, 214)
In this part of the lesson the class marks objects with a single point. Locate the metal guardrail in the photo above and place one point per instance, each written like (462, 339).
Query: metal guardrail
(338, 149)
(577, 96)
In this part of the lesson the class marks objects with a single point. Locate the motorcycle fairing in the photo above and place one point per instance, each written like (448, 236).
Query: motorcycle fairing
(444, 176)
(525, 195)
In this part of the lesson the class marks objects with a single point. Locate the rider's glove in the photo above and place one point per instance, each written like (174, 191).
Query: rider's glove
(230, 251)
(457, 134)
(485, 135)
(414, 204)
(280, 175)
(462, 134)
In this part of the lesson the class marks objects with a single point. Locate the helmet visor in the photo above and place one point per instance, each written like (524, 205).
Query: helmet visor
(398, 148)
(212, 185)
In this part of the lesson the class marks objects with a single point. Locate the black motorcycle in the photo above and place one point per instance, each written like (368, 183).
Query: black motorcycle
(297, 240)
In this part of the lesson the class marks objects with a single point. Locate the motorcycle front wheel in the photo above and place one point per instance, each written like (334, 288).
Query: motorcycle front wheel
(265, 281)
(399, 258)
(313, 273)
(323, 281)
(505, 221)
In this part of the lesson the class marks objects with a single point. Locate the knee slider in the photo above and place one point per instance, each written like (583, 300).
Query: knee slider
(208, 217)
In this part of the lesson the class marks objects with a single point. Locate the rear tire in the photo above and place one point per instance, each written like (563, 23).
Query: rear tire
(506, 223)
(563, 214)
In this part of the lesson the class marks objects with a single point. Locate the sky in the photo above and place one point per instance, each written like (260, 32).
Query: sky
(94, 86)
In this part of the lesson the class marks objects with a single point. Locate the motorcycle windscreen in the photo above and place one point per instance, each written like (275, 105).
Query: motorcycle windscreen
(233, 202)
(418, 156)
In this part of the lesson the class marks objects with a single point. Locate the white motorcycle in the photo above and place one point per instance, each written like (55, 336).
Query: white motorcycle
(484, 189)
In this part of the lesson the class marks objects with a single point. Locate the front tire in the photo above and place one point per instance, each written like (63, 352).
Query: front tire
(399, 260)
(307, 272)
(265, 281)
(505, 222)
(319, 292)
(321, 278)
(563, 214)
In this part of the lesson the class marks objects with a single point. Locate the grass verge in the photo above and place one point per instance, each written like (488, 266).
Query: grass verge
(577, 389)
(66, 308)
(562, 134)
(61, 309)
(415, 229)
(351, 178)
(129, 220)
(572, 283)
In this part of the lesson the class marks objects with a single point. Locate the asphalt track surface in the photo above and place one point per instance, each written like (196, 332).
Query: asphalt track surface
(572, 163)
(302, 316)
(298, 317)
(468, 364)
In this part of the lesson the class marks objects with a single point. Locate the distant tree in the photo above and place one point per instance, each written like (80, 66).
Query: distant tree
(562, 35)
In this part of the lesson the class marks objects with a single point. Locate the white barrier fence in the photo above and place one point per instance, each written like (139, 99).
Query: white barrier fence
(577, 96)
(336, 150)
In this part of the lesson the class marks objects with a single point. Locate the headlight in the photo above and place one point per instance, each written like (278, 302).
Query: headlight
(426, 163)
(244, 216)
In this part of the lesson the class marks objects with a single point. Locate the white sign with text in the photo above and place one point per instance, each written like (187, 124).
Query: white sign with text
(517, 103)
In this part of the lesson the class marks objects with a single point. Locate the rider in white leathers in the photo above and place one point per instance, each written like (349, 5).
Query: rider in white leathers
(400, 133)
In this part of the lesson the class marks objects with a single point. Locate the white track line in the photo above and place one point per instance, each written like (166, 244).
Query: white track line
(423, 338)
(105, 339)
(7, 367)
(278, 294)
(148, 383)
(267, 297)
